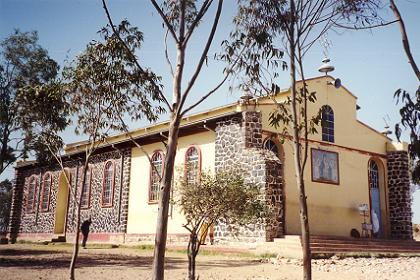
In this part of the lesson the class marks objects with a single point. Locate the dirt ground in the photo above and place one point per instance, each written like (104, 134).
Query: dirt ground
(29, 261)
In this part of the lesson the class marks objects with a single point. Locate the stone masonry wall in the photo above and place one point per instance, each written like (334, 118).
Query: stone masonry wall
(36, 221)
(104, 219)
(399, 195)
(16, 207)
(239, 145)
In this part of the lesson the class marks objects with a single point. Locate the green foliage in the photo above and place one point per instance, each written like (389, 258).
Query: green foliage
(359, 12)
(106, 83)
(410, 119)
(252, 52)
(282, 117)
(30, 96)
(172, 9)
(5, 204)
(297, 25)
(223, 196)
(50, 118)
(263, 30)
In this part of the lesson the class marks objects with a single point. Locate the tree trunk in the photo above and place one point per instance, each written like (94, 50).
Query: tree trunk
(192, 253)
(75, 247)
(404, 39)
(76, 239)
(3, 152)
(165, 187)
(304, 225)
(158, 267)
(191, 266)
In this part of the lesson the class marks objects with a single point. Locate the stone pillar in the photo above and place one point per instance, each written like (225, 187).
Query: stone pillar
(229, 143)
(16, 207)
(274, 194)
(252, 129)
(399, 195)
(125, 189)
(239, 145)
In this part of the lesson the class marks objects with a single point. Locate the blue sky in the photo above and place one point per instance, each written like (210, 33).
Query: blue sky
(371, 63)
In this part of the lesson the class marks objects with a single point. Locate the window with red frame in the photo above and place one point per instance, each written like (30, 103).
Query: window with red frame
(155, 175)
(327, 123)
(85, 202)
(192, 165)
(45, 192)
(108, 185)
(32, 190)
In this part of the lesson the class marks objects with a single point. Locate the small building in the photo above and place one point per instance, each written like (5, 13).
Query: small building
(349, 164)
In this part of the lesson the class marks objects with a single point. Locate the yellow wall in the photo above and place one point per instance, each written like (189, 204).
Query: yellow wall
(142, 215)
(332, 208)
(349, 131)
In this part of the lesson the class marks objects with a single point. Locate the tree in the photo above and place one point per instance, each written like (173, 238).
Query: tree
(410, 111)
(221, 197)
(5, 204)
(263, 25)
(410, 118)
(103, 85)
(25, 69)
(180, 19)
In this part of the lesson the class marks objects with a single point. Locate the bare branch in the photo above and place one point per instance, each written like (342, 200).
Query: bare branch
(133, 56)
(305, 106)
(127, 133)
(165, 20)
(365, 27)
(404, 39)
(59, 160)
(167, 54)
(228, 72)
(204, 54)
(207, 95)
(197, 19)
(182, 23)
(5, 167)
(187, 228)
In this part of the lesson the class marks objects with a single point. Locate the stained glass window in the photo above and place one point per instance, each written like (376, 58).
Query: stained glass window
(155, 175)
(108, 184)
(85, 203)
(327, 124)
(32, 190)
(45, 193)
(192, 165)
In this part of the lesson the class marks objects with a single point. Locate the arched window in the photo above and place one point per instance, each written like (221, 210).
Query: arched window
(192, 165)
(32, 190)
(327, 124)
(45, 192)
(373, 175)
(375, 199)
(85, 203)
(155, 175)
(108, 184)
(271, 146)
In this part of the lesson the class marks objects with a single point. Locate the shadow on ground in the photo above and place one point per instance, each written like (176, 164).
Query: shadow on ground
(53, 259)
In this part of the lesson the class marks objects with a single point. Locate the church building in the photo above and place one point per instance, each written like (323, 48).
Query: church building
(350, 166)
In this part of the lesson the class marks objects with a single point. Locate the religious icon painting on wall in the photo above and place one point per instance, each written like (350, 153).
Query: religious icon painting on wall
(325, 166)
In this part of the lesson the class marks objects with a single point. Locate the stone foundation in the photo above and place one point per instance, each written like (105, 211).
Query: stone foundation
(399, 195)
